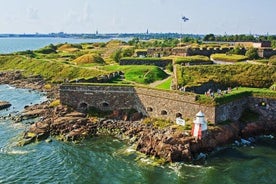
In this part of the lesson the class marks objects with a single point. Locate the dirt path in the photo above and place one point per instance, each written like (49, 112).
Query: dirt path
(156, 83)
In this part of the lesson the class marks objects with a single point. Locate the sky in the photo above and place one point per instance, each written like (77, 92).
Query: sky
(136, 16)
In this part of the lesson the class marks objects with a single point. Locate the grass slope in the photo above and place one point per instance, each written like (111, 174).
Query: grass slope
(248, 75)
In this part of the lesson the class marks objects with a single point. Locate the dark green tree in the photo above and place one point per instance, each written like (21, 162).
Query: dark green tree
(252, 53)
(209, 37)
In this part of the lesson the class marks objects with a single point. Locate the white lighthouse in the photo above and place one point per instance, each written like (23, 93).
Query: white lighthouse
(199, 126)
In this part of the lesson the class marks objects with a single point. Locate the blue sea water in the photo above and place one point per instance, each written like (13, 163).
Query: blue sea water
(9, 45)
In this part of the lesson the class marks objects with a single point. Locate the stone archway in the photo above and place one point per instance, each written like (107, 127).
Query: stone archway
(164, 112)
(83, 106)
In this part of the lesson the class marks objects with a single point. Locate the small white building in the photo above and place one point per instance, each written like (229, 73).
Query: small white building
(199, 126)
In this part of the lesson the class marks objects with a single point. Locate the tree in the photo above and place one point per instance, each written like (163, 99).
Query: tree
(237, 50)
(252, 53)
(128, 52)
(116, 56)
(209, 37)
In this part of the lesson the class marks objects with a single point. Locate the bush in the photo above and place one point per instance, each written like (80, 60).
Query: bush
(252, 53)
(272, 60)
(116, 55)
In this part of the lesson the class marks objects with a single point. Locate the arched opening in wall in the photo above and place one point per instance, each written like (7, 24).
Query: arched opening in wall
(163, 112)
(149, 109)
(178, 115)
(83, 106)
(105, 104)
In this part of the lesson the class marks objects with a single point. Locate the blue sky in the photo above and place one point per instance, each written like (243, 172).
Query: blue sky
(133, 16)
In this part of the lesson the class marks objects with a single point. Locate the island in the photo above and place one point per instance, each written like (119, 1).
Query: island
(167, 97)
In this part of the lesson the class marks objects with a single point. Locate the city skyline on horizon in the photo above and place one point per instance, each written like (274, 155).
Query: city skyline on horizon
(156, 16)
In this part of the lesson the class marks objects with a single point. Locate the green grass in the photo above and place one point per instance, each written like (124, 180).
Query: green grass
(237, 93)
(191, 59)
(143, 74)
(165, 85)
(248, 75)
(50, 70)
(143, 59)
(229, 58)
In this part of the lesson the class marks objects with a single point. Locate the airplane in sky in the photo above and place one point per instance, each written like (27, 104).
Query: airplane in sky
(185, 18)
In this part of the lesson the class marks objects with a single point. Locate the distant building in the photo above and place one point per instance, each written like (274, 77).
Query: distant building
(264, 44)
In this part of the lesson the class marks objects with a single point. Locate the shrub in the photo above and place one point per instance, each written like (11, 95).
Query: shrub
(272, 60)
(55, 103)
(252, 53)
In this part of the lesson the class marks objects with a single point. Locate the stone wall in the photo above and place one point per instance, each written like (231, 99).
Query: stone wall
(266, 53)
(160, 103)
(263, 106)
(231, 111)
(145, 61)
(150, 102)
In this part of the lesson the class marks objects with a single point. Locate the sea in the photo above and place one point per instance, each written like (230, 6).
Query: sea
(105, 159)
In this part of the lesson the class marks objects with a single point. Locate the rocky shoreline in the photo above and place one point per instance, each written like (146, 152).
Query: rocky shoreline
(169, 144)
(4, 105)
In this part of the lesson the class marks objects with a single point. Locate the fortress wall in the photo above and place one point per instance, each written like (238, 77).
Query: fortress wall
(160, 63)
(150, 102)
(263, 106)
(168, 104)
(231, 111)
(101, 97)
(160, 103)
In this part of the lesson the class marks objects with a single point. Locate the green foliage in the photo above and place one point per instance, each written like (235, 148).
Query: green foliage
(237, 50)
(262, 61)
(158, 123)
(143, 74)
(209, 37)
(250, 75)
(53, 71)
(47, 50)
(191, 59)
(169, 67)
(128, 52)
(252, 53)
(272, 60)
(116, 55)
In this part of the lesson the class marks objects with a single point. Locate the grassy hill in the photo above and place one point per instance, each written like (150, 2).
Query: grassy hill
(250, 75)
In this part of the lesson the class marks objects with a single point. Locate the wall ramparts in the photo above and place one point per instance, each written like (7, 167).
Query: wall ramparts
(159, 103)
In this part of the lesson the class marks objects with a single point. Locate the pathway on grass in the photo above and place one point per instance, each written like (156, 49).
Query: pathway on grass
(156, 83)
